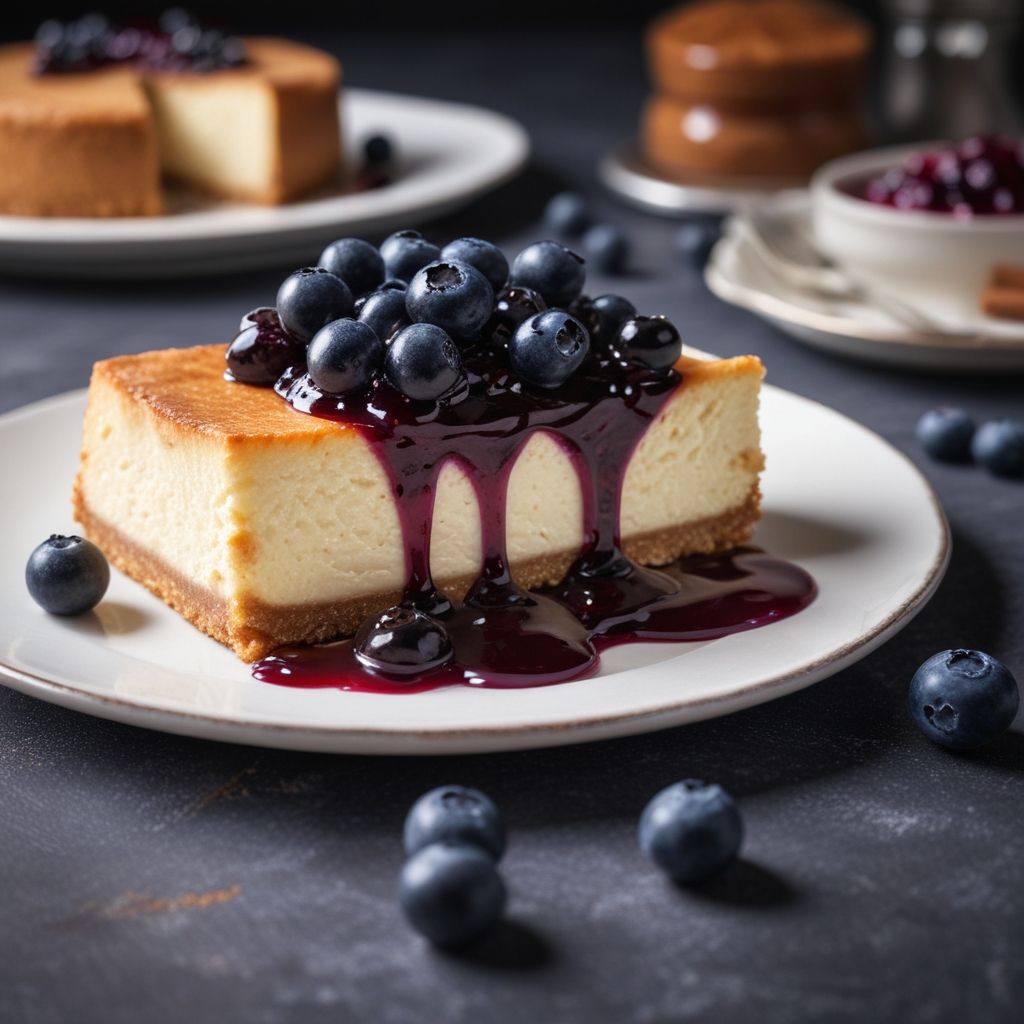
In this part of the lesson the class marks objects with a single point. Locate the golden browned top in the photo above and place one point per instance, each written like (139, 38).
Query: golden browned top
(186, 388)
(756, 33)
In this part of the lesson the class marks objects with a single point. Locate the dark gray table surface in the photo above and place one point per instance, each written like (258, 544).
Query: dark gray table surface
(150, 877)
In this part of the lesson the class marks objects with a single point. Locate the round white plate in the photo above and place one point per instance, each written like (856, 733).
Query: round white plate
(449, 154)
(838, 500)
(626, 173)
(737, 273)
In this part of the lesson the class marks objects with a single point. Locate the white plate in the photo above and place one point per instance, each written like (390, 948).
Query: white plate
(737, 273)
(838, 500)
(449, 152)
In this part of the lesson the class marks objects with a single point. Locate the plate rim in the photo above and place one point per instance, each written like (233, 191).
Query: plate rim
(234, 730)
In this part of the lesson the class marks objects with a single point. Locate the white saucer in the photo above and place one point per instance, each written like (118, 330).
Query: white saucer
(866, 525)
(737, 273)
(449, 152)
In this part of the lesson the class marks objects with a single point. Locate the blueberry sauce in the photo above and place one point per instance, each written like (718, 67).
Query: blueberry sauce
(502, 634)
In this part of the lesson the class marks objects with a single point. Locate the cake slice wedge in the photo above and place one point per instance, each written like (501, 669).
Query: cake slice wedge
(263, 526)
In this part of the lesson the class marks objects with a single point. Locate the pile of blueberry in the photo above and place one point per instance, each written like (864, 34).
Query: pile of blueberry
(178, 42)
(983, 174)
(950, 435)
(408, 314)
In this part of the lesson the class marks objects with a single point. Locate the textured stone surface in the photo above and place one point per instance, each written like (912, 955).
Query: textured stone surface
(152, 877)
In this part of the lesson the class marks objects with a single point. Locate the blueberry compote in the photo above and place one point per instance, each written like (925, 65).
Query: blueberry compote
(502, 635)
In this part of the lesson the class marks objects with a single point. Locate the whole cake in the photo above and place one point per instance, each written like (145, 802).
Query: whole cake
(766, 89)
(98, 115)
(466, 466)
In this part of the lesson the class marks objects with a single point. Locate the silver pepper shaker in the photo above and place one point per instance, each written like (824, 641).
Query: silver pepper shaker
(947, 69)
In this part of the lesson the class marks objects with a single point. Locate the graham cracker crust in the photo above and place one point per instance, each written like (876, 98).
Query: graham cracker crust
(252, 628)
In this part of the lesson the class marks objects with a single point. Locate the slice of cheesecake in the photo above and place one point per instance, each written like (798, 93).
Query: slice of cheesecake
(263, 526)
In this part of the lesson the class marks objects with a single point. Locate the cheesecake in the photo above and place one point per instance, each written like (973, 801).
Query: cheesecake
(98, 141)
(263, 526)
(753, 89)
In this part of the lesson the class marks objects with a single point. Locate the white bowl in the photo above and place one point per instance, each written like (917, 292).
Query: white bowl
(934, 260)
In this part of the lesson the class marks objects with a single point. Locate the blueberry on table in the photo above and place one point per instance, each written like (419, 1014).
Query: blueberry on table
(310, 298)
(691, 830)
(695, 240)
(946, 434)
(423, 363)
(406, 252)
(359, 264)
(547, 349)
(384, 310)
(551, 269)
(651, 340)
(451, 892)
(453, 296)
(344, 356)
(610, 313)
(567, 214)
(456, 814)
(67, 575)
(606, 248)
(999, 446)
(402, 641)
(511, 307)
(963, 699)
(482, 256)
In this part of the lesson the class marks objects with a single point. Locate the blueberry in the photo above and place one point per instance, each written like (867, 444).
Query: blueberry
(611, 312)
(695, 240)
(511, 307)
(262, 350)
(548, 348)
(393, 284)
(480, 255)
(356, 262)
(402, 641)
(451, 893)
(551, 269)
(946, 434)
(455, 814)
(567, 214)
(963, 699)
(651, 340)
(450, 295)
(691, 830)
(384, 310)
(999, 447)
(423, 362)
(67, 575)
(344, 356)
(606, 248)
(406, 252)
(310, 298)
(378, 149)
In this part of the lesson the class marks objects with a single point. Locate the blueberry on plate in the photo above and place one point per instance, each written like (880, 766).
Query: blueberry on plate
(691, 830)
(551, 269)
(946, 434)
(378, 149)
(695, 240)
(402, 641)
(453, 296)
(384, 310)
(457, 814)
(480, 255)
(963, 699)
(262, 350)
(359, 264)
(606, 248)
(67, 575)
(567, 214)
(999, 447)
(547, 349)
(451, 892)
(651, 340)
(511, 307)
(406, 252)
(310, 298)
(610, 313)
(423, 363)
(344, 356)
